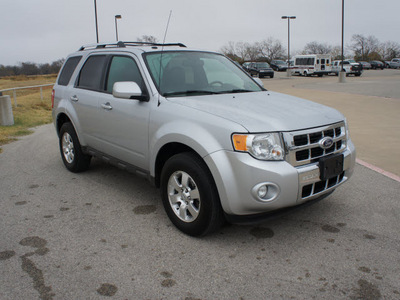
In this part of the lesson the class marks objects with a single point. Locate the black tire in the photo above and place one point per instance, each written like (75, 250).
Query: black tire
(71, 152)
(272, 76)
(189, 195)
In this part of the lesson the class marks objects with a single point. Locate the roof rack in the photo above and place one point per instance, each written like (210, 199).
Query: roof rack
(124, 44)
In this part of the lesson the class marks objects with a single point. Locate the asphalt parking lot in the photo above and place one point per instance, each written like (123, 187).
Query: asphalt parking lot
(104, 234)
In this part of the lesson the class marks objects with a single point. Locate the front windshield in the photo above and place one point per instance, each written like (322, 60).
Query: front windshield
(182, 73)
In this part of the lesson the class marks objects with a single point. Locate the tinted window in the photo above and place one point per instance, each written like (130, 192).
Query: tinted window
(68, 70)
(262, 65)
(92, 73)
(123, 68)
(305, 61)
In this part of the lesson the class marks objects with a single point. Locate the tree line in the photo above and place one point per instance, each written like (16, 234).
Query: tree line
(30, 68)
(362, 48)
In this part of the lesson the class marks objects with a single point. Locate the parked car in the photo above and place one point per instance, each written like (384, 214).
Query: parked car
(394, 63)
(376, 64)
(366, 65)
(278, 65)
(350, 67)
(246, 66)
(217, 144)
(387, 64)
(261, 69)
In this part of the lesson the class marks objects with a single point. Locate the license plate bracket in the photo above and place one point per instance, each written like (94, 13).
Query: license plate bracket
(331, 166)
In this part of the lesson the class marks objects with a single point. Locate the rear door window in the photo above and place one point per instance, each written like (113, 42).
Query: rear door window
(92, 73)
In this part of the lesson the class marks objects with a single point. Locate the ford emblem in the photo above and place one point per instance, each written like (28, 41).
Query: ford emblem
(326, 142)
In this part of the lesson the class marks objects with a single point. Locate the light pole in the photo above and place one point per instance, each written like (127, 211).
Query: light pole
(342, 73)
(116, 25)
(288, 18)
(95, 18)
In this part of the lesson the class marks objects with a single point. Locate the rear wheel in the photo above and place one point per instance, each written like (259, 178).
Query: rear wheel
(189, 195)
(70, 148)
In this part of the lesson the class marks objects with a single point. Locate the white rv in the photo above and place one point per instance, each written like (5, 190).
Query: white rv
(312, 64)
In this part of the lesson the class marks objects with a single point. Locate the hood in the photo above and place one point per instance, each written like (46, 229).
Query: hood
(264, 111)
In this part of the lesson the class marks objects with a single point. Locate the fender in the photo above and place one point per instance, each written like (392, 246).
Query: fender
(65, 108)
(203, 136)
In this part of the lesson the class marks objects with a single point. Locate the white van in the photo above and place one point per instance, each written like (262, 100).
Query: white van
(312, 64)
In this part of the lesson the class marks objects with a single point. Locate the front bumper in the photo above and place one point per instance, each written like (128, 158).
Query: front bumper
(266, 73)
(237, 174)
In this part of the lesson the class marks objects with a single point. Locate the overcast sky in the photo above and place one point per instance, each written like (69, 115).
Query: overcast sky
(43, 31)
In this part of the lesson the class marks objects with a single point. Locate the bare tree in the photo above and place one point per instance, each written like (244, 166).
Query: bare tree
(253, 51)
(242, 50)
(229, 49)
(271, 48)
(336, 53)
(148, 39)
(317, 48)
(364, 46)
(389, 50)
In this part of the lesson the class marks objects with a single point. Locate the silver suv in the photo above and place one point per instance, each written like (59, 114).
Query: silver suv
(217, 144)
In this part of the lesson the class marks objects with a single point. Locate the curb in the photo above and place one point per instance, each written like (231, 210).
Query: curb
(379, 170)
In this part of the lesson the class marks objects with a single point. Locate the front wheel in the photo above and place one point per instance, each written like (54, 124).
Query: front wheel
(73, 157)
(189, 195)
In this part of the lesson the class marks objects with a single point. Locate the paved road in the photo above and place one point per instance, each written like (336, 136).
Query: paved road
(104, 233)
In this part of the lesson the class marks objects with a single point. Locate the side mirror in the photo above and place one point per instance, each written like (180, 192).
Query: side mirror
(127, 90)
(258, 80)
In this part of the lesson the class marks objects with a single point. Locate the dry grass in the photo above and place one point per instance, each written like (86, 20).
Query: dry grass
(31, 111)
(19, 81)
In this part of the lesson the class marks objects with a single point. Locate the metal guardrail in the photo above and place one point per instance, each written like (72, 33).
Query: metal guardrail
(14, 90)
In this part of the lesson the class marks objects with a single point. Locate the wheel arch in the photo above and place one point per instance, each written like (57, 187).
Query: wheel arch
(61, 119)
(166, 152)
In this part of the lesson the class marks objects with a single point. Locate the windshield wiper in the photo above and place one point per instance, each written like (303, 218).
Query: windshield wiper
(236, 91)
(191, 92)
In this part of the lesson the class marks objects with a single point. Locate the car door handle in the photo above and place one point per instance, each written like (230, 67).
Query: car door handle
(107, 106)
(74, 98)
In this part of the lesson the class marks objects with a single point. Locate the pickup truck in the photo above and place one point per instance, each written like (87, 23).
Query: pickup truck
(350, 67)
(394, 63)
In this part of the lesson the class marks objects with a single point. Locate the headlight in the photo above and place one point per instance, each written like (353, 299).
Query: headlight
(267, 146)
(347, 128)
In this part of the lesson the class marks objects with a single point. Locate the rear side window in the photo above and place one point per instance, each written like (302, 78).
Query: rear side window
(68, 70)
(91, 76)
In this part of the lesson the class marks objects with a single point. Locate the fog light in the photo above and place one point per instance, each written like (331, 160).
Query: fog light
(262, 191)
(266, 192)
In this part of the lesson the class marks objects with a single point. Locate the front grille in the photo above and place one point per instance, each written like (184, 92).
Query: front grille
(303, 146)
(321, 186)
